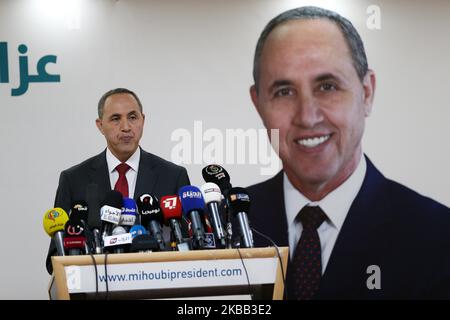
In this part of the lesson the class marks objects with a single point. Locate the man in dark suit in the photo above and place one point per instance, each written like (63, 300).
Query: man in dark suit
(352, 233)
(121, 121)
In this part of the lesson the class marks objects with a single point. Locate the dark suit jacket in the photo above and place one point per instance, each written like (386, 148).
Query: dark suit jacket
(404, 233)
(156, 176)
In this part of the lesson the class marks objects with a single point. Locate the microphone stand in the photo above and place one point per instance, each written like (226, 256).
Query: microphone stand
(228, 225)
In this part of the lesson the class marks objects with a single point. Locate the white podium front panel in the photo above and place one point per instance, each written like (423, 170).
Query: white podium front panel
(258, 272)
(171, 274)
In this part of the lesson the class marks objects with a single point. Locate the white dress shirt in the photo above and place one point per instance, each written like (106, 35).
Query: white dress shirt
(131, 174)
(336, 205)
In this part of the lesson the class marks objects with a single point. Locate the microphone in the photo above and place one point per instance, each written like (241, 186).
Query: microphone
(119, 230)
(193, 205)
(129, 212)
(111, 211)
(212, 195)
(218, 175)
(93, 219)
(151, 216)
(137, 230)
(80, 209)
(239, 202)
(54, 222)
(74, 236)
(141, 240)
(119, 241)
(172, 213)
(144, 243)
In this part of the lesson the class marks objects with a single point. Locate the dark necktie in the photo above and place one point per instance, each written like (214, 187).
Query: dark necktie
(306, 266)
(122, 183)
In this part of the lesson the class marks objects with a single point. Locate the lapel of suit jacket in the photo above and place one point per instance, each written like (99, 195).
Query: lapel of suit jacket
(147, 175)
(268, 212)
(99, 174)
(279, 219)
(361, 234)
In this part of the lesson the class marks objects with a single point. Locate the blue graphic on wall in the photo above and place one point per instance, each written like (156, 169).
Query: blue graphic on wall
(25, 77)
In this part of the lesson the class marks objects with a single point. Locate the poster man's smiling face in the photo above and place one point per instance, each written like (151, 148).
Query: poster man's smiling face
(309, 89)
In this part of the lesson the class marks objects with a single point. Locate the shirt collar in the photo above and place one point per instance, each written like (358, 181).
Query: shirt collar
(132, 161)
(336, 204)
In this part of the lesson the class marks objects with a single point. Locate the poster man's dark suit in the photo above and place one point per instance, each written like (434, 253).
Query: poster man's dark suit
(156, 176)
(388, 225)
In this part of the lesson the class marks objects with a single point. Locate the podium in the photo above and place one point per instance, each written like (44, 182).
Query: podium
(255, 273)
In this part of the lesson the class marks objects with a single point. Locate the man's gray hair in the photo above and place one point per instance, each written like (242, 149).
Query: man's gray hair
(101, 102)
(349, 32)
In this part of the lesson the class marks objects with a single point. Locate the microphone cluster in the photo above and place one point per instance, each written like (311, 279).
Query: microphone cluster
(198, 218)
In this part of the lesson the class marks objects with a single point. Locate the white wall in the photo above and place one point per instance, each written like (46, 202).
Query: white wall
(192, 60)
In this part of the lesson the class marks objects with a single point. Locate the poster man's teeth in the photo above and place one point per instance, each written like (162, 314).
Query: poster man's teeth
(313, 142)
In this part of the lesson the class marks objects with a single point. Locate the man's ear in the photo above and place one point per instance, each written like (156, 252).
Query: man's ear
(99, 124)
(369, 84)
(254, 97)
(254, 94)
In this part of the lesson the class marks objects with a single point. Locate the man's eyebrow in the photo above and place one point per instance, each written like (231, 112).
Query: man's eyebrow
(114, 115)
(327, 76)
(279, 83)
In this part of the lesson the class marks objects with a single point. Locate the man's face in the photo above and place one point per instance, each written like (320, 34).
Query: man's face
(122, 124)
(310, 91)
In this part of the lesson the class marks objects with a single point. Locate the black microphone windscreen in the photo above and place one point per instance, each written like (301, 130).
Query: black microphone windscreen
(149, 209)
(218, 175)
(239, 200)
(74, 226)
(93, 203)
(113, 199)
(80, 209)
(144, 242)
